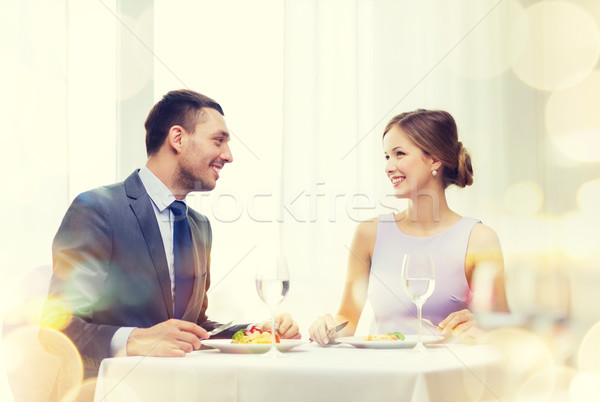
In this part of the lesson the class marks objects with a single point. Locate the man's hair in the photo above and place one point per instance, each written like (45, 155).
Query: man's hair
(181, 107)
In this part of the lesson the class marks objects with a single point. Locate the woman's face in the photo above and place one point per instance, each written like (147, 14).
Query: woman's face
(408, 168)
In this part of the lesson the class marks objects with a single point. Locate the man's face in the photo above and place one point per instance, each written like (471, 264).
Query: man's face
(204, 152)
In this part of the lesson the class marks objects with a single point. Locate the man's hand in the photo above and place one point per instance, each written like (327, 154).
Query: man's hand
(170, 338)
(286, 326)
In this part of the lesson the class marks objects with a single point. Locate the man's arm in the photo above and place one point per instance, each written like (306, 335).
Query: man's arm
(81, 256)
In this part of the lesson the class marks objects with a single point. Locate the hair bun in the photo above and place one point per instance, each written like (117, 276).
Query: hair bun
(465, 169)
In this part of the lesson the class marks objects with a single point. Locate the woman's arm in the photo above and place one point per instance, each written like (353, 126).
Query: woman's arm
(484, 252)
(357, 276)
(355, 289)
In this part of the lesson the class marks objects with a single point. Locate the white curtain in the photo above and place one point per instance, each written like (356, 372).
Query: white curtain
(497, 66)
(328, 153)
(58, 113)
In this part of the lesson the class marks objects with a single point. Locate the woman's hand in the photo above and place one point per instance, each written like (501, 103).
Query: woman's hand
(460, 323)
(322, 330)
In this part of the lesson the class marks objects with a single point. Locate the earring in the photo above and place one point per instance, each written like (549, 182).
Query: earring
(434, 173)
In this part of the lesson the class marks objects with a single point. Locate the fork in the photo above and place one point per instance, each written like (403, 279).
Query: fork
(427, 321)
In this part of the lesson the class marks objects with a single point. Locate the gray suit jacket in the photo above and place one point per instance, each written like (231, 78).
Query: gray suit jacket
(110, 268)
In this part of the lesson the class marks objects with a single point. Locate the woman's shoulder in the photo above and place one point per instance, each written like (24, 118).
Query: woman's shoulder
(365, 235)
(367, 228)
(483, 238)
(484, 248)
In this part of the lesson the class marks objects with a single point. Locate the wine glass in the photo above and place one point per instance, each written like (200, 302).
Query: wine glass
(418, 281)
(272, 284)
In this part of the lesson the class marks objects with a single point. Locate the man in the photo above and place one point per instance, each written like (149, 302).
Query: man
(132, 265)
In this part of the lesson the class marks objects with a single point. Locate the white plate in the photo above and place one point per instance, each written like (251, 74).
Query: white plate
(225, 345)
(409, 342)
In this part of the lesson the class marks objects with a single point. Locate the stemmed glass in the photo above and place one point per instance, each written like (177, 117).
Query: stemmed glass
(418, 281)
(272, 284)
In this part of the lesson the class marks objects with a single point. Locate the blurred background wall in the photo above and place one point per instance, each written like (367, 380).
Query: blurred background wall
(307, 88)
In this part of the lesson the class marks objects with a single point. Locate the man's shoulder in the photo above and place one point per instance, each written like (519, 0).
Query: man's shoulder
(111, 192)
(102, 194)
(197, 216)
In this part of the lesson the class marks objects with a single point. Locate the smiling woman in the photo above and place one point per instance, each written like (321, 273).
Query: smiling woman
(423, 157)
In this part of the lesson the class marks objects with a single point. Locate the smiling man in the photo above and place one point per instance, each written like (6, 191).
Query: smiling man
(131, 261)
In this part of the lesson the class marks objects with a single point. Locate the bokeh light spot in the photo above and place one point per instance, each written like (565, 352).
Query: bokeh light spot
(33, 310)
(588, 357)
(524, 198)
(83, 392)
(573, 121)
(562, 46)
(524, 355)
(585, 387)
(551, 385)
(40, 362)
(579, 235)
(56, 314)
(12, 353)
(588, 198)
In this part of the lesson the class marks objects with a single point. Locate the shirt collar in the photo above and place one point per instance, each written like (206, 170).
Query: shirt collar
(158, 192)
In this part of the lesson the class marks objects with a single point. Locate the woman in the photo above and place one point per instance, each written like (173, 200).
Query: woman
(423, 157)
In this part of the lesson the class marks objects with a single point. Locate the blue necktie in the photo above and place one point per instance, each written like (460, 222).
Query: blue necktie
(183, 251)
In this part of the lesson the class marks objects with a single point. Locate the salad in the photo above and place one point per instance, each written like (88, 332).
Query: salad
(253, 335)
(389, 336)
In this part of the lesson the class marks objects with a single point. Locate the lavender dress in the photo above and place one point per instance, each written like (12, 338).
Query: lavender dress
(393, 310)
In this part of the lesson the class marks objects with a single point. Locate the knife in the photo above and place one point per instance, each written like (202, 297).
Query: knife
(339, 327)
(220, 328)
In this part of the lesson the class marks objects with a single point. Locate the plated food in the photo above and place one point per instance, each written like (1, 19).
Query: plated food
(254, 335)
(226, 346)
(408, 342)
(253, 340)
(389, 336)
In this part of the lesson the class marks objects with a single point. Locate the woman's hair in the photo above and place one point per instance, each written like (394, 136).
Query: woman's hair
(435, 133)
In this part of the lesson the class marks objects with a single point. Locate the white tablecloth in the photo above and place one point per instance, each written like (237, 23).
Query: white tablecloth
(309, 373)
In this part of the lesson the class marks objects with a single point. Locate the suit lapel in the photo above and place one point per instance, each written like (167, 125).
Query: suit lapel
(142, 208)
(200, 266)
